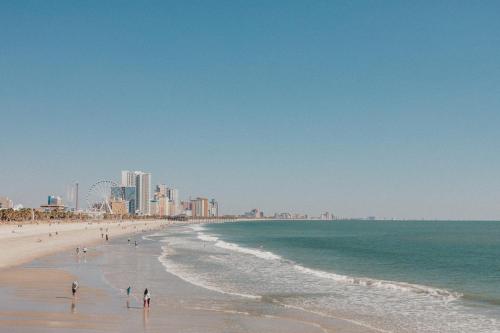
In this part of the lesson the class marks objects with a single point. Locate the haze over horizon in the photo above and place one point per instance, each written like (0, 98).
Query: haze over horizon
(359, 108)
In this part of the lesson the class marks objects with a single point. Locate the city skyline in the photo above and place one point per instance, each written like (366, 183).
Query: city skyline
(360, 109)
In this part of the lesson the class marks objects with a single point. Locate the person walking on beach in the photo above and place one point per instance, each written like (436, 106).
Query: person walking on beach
(74, 287)
(107, 237)
(147, 297)
(128, 290)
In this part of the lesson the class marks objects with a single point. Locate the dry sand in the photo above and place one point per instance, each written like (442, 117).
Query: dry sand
(19, 245)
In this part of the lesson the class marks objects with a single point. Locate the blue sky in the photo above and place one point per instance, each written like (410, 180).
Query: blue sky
(358, 107)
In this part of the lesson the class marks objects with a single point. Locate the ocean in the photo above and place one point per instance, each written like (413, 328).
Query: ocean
(388, 276)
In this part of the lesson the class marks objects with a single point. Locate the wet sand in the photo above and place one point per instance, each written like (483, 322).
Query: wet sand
(37, 298)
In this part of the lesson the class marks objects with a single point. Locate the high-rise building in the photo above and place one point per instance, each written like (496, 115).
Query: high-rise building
(125, 193)
(213, 208)
(128, 178)
(200, 207)
(173, 195)
(143, 192)
(163, 206)
(174, 201)
(160, 196)
(162, 189)
(5, 203)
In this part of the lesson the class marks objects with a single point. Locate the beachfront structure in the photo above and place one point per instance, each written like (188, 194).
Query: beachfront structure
(213, 208)
(143, 192)
(125, 193)
(6, 203)
(173, 209)
(119, 207)
(162, 201)
(154, 207)
(199, 207)
(163, 206)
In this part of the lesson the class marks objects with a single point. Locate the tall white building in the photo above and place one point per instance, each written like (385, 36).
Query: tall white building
(128, 178)
(173, 197)
(143, 192)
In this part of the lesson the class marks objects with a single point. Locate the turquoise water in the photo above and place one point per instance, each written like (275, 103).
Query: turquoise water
(398, 276)
(463, 256)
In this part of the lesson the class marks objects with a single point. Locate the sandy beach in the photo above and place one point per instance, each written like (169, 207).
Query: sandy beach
(20, 243)
(36, 278)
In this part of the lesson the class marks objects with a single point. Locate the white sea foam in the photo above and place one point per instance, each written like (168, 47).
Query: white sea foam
(207, 238)
(234, 247)
(257, 253)
(392, 285)
(197, 227)
(156, 234)
(190, 278)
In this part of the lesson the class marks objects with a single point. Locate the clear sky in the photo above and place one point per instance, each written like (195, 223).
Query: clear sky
(385, 108)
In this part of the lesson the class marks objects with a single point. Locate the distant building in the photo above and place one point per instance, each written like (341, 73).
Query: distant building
(119, 207)
(53, 203)
(199, 207)
(154, 207)
(173, 209)
(173, 195)
(54, 200)
(6, 203)
(162, 201)
(143, 192)
(186, 207)
(125, 193)
(142, 183)
(162, 189)
(253, 214)
(282, 216)
(213, 208)
(128, 178)
(163, 206)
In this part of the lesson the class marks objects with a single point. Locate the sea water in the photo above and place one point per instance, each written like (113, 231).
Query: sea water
(389, 276)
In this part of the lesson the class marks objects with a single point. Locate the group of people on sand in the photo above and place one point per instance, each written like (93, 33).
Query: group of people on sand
(75, 285)
(146, 297)
(83, 250)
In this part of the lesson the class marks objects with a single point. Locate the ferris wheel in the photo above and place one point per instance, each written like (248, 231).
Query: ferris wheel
(99, 197)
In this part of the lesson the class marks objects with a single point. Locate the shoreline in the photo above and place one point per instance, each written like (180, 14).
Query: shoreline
(37, 298)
